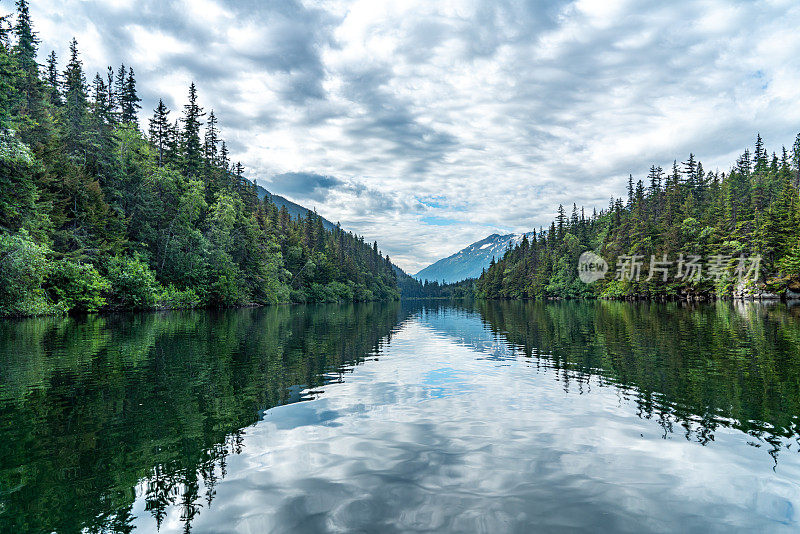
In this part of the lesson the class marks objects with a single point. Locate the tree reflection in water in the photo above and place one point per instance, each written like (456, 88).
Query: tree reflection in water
(97, 411)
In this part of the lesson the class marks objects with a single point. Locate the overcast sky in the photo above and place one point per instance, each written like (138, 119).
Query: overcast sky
(429, 125)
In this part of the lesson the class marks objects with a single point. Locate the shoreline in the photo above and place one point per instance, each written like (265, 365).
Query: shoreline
(791, 302)
(113, 311)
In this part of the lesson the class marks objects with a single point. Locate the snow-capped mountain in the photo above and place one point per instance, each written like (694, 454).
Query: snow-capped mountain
(470, 261)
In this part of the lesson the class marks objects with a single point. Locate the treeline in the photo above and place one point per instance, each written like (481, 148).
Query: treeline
(410, 287)
(752, 211)
(95, 214)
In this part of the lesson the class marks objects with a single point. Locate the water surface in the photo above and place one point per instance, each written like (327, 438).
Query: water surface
(492, 417)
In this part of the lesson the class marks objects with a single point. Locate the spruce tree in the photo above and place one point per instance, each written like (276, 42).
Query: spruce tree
(224, 159)
(760, 156)
(129, 100)
(630, 190)
(25, 48)
(173, 154)
(560, 220)
(119, 88)
(100, 104)
(100, 159)
(743, 164)
(30, 109)
(192, 148)
(75, 102)
(52, 79)
(690, 171)
(6, 76)
(159, 131)
(111, 96)
(211, 139)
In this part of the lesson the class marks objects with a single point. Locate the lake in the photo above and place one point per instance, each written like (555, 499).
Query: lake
(403, 417)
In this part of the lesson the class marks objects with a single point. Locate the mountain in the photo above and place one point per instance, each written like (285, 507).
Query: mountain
(470, 261)
(295, 210)
(409, 285)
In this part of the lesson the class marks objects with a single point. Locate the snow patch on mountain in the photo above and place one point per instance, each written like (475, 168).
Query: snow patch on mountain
(470, 261)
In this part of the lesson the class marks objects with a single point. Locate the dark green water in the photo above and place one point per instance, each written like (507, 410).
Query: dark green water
(492, 417)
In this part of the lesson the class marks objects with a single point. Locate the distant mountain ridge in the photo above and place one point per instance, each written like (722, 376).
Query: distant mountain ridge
(295, 210)
(467, 263)
(470, 261)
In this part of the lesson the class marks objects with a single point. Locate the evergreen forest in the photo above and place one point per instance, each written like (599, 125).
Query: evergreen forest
(99, 212)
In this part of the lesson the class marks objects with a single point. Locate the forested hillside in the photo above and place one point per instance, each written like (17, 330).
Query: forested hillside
(295, 210)
(97, 214)
(751, 211)
(411, 288)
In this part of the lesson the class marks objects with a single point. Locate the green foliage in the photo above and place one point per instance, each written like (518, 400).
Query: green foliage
(332, 292)
(172, 298)
(18, 192)
(78, 287)
(24, 267)
(86, 186)
(133, 284)
(790, 264)
(615, 289)
(754, 210)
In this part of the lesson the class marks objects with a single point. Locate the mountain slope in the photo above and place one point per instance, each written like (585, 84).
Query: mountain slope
(295, 210)
(470, 261)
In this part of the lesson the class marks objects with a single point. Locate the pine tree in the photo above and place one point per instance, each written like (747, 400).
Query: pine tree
(192, 148)
(100, 136)
(786, 169)
(760, 156)
(224, 159)
(743, 164)
(690, 171)
(30, 110)
(560, 221)
(53, 84)
(159, 131)
(211, 139)
(796, 161)
(700, 180)
(630, 190)
(655, 177)
(129, 100)
(8, 73)
(100, 104)
(173, 154)
(778, 235)
(111, 96)
(75, 102)
(25, 49)
(119, 88)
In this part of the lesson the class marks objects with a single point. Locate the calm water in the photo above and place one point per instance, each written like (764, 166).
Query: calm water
(485, 417)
